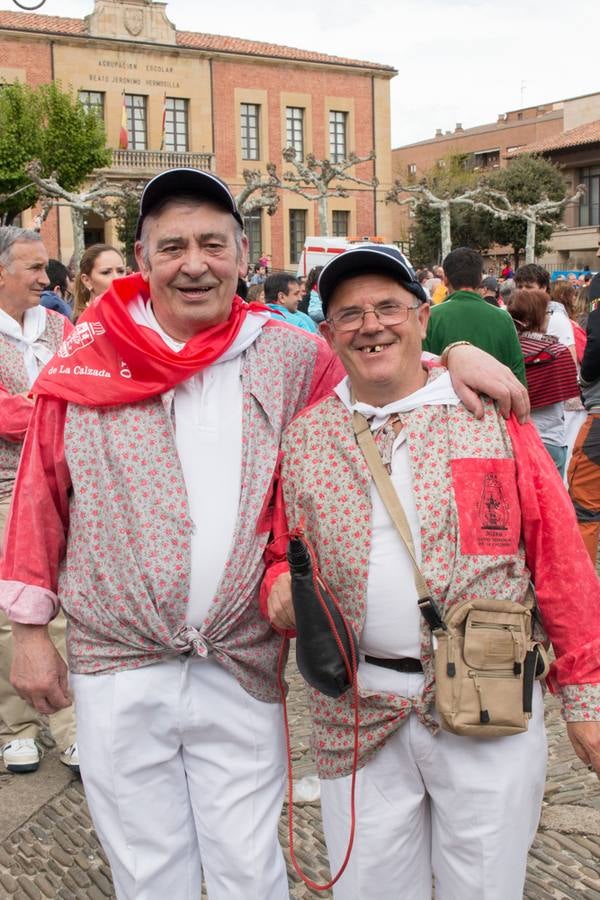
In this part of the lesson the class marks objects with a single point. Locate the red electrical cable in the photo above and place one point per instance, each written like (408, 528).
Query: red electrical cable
(351, 668)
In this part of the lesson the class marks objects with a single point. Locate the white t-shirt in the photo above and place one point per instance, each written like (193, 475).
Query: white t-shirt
(208, 436)
(393, 620)
(559, 324)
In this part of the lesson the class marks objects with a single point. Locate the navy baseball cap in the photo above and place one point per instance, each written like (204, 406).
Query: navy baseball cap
(190, 183)
(368, 259)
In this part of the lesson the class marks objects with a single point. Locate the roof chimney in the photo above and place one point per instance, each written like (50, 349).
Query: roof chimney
(458, 127)
(438, 132)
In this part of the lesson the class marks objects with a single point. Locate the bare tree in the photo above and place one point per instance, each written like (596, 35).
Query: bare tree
(318, 179)
(260, 191)
(533, 214)
(98, 198)
(420, 193)
(484, 198)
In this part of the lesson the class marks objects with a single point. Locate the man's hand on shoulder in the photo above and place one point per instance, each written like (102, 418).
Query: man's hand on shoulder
(474, 372)
(38, 673)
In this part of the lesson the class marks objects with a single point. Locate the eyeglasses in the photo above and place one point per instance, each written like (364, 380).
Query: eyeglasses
(387, 313)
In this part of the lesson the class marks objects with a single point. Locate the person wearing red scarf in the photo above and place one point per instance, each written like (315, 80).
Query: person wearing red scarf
(144, 509)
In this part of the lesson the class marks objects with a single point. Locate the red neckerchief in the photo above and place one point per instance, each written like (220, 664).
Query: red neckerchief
(109, 359)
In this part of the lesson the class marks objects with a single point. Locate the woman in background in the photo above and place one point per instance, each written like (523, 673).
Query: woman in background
(99, 266)
(550, 370)
(315, 307)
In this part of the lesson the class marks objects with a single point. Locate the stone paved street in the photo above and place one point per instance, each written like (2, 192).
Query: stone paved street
(48, 848)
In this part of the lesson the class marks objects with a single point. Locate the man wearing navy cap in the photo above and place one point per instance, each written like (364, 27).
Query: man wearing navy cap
(143, 509)
(486, 511)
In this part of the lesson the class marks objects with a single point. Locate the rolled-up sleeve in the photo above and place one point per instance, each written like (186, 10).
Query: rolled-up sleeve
(36, 530)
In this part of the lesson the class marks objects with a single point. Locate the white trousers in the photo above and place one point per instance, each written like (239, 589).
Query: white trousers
(183, 771)
(463, 811)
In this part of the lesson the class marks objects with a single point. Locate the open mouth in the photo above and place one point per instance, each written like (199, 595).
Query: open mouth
(374, 348)
(195, 292)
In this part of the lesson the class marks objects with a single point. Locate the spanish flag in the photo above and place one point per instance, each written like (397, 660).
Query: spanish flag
(164, 122)
(123, 135)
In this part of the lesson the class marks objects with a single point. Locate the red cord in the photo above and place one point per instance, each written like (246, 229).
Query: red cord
(351, 668)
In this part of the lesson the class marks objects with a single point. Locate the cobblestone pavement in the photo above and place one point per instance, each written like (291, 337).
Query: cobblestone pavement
(49, 849)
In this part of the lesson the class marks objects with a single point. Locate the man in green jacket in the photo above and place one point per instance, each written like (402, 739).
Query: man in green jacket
(465, 316)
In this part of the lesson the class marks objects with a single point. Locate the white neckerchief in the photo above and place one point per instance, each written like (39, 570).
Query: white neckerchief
(438, 392)
(26, 338)
(142, 314)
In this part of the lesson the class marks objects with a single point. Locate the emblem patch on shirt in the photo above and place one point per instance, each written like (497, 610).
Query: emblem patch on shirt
(489, 516)
(82, 335)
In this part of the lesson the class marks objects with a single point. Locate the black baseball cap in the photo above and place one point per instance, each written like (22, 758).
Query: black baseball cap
(371, 259)
(187, 182)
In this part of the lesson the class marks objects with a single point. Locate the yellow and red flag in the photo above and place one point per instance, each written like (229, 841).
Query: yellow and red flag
(123, 134)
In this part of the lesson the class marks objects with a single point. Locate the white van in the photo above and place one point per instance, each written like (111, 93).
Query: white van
(317, 250)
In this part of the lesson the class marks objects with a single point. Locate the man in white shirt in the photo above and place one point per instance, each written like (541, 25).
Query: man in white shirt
(29, 337)
(486, 511)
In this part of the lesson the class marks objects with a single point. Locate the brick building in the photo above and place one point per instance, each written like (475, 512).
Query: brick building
(566, 131)
(226, 103)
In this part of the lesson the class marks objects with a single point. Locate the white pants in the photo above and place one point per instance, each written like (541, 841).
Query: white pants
(183, 771)
(461, 810)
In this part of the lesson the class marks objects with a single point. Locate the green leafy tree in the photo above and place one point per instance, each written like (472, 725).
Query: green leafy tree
(526, 181)
(45, 123)
(126, 211)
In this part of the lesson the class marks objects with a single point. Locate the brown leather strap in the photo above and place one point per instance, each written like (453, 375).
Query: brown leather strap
(388, 494)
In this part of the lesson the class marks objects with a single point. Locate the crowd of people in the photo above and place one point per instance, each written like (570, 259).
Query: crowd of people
(188, 419)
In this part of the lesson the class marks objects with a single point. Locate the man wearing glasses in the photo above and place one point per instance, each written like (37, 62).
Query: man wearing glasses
(486, 511)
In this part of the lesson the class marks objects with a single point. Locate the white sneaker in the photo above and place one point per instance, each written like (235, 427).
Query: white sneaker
(21, 755)
(70, 757)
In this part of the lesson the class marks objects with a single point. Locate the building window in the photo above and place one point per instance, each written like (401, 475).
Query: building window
(589, 206)
(249, 115)
(412, 168)
(135, 106)
(297, 233)
(253, 229)
(294, 129)
(483, 159)
(175, 137)
(93, 101)
(337, 135)
(340, 223)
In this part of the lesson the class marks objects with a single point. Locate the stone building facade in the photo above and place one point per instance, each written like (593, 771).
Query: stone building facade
(214, 102)
(566, 131)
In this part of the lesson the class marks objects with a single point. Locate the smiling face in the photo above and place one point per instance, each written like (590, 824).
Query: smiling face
(292, 298)
(190, 258)
(108, 265)
(23, 278)
(382, 361)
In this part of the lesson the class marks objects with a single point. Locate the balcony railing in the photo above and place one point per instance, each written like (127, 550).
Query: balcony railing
(158, 160)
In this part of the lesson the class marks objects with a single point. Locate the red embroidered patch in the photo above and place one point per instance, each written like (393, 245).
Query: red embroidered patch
(489, 516)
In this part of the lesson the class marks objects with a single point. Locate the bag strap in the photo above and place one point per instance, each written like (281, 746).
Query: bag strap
(392, 503)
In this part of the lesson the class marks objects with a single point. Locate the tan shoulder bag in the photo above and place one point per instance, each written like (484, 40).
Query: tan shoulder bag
(486, 660)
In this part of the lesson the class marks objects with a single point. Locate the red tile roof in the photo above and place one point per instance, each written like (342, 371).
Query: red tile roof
(209, 42)
(34, 22)
(224, 44)
(575, 137)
